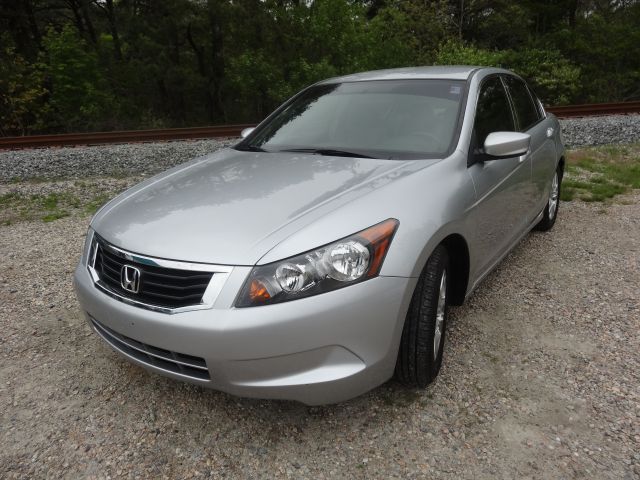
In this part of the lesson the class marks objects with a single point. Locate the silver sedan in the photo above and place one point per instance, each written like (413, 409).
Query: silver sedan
(318, 257)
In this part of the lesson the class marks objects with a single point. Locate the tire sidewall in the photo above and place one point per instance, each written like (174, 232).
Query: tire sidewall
(416, 365)
(436, 363)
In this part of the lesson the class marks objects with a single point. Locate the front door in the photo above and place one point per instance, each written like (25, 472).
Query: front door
(503, 186)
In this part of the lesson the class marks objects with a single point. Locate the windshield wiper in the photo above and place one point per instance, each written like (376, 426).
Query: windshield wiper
(249, 148)
(328, 152)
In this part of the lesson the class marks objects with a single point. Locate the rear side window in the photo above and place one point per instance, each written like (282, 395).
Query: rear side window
(526, 110)
(493, 113)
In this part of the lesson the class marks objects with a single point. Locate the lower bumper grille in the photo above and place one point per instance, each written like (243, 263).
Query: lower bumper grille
(179, 363)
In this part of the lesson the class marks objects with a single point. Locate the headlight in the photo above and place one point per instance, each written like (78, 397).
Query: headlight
(351, 260)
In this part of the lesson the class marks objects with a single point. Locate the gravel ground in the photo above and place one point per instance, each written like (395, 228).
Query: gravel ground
(121, 160)
(148, 158)
(541, 376)
(590, 131)
(541, 379)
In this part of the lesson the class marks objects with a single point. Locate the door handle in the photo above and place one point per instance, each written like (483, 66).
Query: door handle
(522, 158)
(549, 132)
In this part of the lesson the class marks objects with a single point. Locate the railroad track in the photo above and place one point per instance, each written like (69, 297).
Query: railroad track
(595, 109)
(129, 136)
(225, 131)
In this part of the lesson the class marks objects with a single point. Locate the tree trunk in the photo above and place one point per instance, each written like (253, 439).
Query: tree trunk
(573, 12)
(89, 24)
(113, 27)
(217, 58)
(199, 51)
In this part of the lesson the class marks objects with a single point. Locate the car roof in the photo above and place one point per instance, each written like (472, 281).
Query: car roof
(453, 72)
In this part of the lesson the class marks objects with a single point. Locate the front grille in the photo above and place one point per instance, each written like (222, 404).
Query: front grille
(158, 286)
(180, 363)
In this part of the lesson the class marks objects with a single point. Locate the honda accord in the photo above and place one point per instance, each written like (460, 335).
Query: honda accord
(318, 257)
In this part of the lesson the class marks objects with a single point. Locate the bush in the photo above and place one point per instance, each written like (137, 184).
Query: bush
(554, 78)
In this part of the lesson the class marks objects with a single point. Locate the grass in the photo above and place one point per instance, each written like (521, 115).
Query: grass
(8, 198)
(54, 199)
(16, 207)
(94, 205)
(598, 174)
(50, 217)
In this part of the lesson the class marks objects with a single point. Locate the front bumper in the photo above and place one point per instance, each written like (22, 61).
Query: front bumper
(317, 350)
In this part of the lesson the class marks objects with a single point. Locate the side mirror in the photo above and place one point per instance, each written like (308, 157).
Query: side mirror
(245, 133)
(507, 144)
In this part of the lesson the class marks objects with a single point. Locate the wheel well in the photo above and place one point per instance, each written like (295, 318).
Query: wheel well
(459, 263)
(561, 165)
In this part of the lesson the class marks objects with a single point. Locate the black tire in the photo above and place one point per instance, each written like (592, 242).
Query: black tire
(417, 363)
(549, 215)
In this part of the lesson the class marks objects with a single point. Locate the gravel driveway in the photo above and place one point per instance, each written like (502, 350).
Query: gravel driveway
(541, 379)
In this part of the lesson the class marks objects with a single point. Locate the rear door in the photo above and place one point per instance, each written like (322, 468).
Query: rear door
(530, 119)
(503, 186)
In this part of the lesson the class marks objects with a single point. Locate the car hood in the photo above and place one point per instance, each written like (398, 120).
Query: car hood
(232, 207)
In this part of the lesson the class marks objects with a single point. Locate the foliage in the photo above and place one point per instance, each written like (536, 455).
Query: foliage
(386, 28)
(78, 97)
(456, 53)
(21, 92)
(553, 77)
(109, 64)
(423, 26)
(607, 47)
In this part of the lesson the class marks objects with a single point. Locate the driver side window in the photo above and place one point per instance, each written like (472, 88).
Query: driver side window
(493, 112)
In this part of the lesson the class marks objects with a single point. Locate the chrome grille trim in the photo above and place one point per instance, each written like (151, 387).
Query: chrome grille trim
(220, 275)
(161, 359)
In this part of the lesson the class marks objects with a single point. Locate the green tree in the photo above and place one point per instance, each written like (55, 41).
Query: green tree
(22, 93)
(607, 47)
(554, 78)
(78, 95)
(390, 42)
(100, 64)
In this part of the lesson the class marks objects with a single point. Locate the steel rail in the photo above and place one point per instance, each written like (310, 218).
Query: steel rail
(129, 136)
(595, 109)
(231, 131)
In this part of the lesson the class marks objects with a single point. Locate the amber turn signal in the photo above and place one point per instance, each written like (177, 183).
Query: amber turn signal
(379, 237)
(258, 291)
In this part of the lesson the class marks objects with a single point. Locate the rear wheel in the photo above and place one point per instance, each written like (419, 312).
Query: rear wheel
(423, 335)
(551, 210)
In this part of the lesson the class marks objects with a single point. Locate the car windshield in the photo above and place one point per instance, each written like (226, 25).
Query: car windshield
(398, 119)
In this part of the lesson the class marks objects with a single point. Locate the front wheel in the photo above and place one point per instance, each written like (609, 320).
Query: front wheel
(420, 354)
(551, 209)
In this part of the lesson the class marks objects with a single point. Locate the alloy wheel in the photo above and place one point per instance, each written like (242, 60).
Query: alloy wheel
(553, 196)
(440, 312)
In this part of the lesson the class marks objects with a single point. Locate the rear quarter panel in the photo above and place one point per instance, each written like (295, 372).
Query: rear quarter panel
(544, 160)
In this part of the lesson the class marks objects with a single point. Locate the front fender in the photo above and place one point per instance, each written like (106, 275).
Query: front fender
(430, 203)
